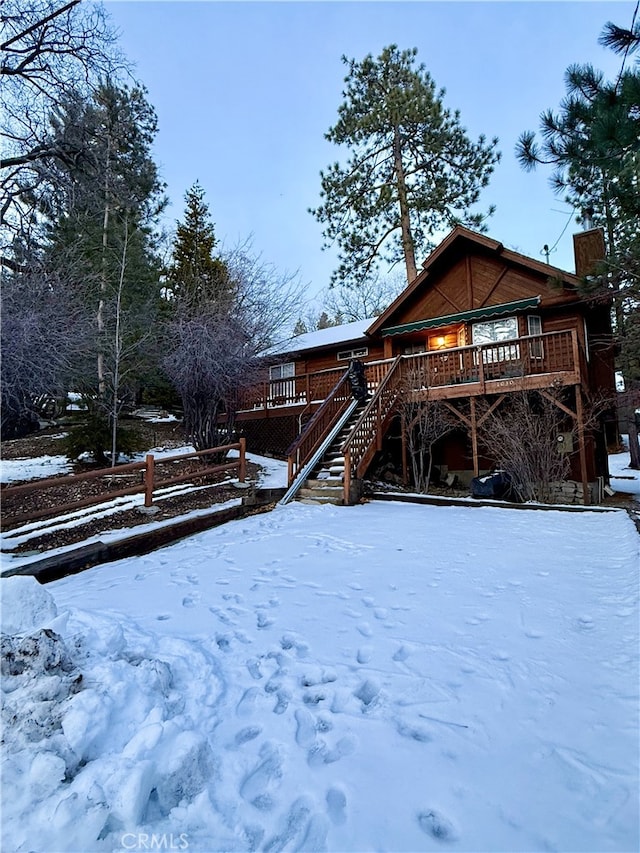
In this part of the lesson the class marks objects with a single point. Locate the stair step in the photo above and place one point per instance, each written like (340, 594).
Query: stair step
(322, 495)
(326, 491)
(327, 483)
(320, 500)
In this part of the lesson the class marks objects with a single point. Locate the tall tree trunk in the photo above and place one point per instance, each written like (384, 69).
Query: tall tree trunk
(117, 347)
(408, 246)
(102, 384)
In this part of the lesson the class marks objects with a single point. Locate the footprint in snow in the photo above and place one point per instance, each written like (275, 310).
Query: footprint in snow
(247, 703)
(336, 805)
(223, 642)
(284, 697)
(365, 629)
(297, 824)
(318, 676)
(221, 615)
(291, 641)
(401, 654)
(364, 654)
(163, 617)
(257, 786)
(190, 600)
(417, 733)
(264, 621)
(247, 734)
(436, 825)
(320, 753)
(306, 728)
(368, 693)
(254, 669)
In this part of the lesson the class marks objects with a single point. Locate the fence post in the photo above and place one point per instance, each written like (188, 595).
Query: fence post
(148, 479)
(242, 473)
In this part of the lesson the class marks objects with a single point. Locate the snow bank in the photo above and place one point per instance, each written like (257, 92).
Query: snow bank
(105, 728)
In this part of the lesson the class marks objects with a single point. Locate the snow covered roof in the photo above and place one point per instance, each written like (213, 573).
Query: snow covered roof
(321, 338)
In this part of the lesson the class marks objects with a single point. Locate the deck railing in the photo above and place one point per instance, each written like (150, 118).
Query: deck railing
(303, 389)
(551, 352)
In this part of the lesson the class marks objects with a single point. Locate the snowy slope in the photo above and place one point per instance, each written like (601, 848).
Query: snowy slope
(383, 677)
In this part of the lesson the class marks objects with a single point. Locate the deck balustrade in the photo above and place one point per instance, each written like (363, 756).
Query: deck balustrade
(445, 374)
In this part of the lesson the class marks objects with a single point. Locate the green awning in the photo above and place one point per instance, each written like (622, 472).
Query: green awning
(464, 316)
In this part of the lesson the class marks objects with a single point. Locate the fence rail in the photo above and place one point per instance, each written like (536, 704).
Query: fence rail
(148, 485)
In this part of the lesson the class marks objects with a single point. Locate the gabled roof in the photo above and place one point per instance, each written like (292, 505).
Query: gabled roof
(452, 241)
(346, 333)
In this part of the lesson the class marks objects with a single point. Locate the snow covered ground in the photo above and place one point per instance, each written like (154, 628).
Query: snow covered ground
(386, 677)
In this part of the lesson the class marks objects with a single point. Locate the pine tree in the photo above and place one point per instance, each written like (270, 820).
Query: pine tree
(412, 168)
(197, 277)
(593, 141)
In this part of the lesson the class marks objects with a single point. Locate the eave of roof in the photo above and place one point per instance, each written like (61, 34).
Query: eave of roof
(460, 233)
(474, 314)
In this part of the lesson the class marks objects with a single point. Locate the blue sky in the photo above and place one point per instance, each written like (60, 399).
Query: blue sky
(244, 92)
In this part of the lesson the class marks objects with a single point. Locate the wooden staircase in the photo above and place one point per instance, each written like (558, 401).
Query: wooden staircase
(345, 460)
(326, 482)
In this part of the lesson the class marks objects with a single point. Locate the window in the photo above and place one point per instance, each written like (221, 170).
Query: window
(282, 371)
(534, 327)
(280, 391)
(348, 354)
(494, 331)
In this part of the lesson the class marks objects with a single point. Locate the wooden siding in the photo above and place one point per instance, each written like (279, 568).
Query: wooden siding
(327, 359)
(475, 282)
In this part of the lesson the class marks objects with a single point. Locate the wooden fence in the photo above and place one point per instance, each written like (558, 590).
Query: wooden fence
(148, 483)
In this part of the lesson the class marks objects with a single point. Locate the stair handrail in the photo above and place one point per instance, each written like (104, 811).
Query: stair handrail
(323, 418)
(352, 463)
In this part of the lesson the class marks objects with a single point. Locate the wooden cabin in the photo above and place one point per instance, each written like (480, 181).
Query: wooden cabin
(480, 322)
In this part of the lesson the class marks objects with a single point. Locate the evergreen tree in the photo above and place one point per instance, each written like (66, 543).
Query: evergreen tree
(412, 168)
(101, 214)
(593, 141)
(225, 310)
(196, 276)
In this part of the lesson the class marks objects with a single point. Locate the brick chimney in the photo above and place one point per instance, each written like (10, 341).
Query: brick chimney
(588, 249)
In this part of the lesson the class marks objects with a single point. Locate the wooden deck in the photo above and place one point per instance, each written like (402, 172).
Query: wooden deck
(537, 361)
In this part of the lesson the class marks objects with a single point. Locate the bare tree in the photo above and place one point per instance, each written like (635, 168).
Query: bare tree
(369, 299)
(267, 299)
(213, 350)
(49, 50)
(42, 336)
(424, 422)
(521, 436)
